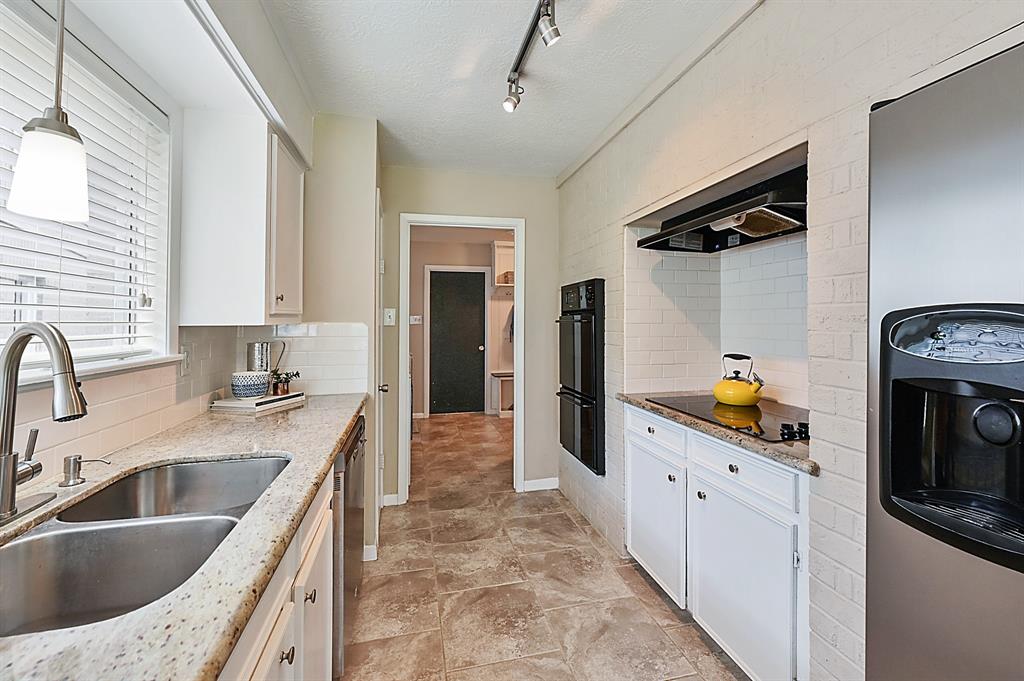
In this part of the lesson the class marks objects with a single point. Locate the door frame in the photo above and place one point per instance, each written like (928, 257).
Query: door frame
(488, 291)
(518, 227)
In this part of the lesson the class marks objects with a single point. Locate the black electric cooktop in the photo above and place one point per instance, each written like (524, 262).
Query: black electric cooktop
(768, 420)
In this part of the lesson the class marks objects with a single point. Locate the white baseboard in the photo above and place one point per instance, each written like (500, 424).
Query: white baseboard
(543, 483)
(389, 500)
(369, 552)
(419, 415)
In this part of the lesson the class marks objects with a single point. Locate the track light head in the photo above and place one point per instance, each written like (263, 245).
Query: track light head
(512, 100)
(549, 32)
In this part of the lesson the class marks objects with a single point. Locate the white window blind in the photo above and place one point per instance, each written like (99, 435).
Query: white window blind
(104, 283)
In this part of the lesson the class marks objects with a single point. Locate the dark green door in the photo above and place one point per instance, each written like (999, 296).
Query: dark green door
(457, 308)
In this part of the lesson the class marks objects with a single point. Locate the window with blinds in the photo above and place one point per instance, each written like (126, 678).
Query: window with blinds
(104, 283)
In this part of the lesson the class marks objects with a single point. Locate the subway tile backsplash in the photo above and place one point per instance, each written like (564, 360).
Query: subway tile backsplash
(332, 357)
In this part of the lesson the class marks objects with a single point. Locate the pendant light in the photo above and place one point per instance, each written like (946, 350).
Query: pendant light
(50, 180)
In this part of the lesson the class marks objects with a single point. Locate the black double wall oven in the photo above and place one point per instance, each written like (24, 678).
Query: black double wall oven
(581, 372)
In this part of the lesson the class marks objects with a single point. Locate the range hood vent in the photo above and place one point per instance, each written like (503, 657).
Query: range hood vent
(744, 209)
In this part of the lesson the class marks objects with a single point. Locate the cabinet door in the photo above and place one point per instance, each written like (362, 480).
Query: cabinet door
(285, 264)
(312, 594)
(743, 579)
(278, 660)
(655, 516)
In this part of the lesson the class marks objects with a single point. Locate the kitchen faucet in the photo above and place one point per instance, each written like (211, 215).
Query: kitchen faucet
(68, 405)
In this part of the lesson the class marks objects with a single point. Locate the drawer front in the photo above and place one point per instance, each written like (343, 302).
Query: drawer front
(761, 477)
(656, 429)
(314, 515)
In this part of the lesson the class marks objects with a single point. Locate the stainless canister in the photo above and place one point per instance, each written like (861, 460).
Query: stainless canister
(258, 355)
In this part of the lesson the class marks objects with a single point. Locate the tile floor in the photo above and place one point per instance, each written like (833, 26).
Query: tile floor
(474, 582)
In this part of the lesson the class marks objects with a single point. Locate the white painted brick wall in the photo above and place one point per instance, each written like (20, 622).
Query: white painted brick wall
(792, 68)
(332, 358)
(132, 406)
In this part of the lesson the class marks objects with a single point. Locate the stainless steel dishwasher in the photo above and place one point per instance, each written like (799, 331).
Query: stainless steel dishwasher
(347, 505)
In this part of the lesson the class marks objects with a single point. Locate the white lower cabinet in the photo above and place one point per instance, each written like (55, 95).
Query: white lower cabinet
(743, 578)
(288, 637)
(723, 531)
(655, 529)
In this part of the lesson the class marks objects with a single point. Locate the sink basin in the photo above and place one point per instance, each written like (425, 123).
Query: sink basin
(229, 486)
(66, 575)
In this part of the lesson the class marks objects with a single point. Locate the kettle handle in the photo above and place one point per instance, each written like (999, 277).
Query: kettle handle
(739, 358)
(284, 346)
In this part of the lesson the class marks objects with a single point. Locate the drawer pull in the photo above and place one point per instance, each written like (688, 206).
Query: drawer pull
(311, 597)
(733, 468)
(650, 429)
(671, 478)
(288, 657)
(701, 495)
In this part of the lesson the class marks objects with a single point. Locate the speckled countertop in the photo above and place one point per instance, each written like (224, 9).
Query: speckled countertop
(793, 454)
(190, 632)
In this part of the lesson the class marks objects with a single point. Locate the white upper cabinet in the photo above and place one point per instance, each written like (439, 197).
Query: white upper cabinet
(285, 232)
(241, 223)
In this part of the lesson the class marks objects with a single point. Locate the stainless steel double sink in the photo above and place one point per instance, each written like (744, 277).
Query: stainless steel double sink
(127, 545)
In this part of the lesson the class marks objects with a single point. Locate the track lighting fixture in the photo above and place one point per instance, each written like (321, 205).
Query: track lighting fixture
(512, 101)
(542, 22)
(549, 32)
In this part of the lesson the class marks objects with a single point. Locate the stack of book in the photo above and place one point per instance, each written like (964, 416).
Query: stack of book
(268, 404)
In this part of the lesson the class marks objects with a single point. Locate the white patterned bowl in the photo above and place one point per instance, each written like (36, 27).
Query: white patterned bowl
(248, 384)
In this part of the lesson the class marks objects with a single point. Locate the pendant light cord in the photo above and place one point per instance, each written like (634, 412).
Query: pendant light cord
(58, 80)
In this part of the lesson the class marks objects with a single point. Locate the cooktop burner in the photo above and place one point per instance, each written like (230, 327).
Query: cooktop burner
(769, 421)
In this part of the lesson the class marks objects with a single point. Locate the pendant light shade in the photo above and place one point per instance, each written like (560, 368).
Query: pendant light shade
(50, 180)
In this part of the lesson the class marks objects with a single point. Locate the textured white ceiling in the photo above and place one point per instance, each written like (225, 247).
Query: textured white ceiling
(433, 72)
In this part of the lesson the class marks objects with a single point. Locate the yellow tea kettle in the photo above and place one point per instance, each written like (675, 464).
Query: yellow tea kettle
(735, 388)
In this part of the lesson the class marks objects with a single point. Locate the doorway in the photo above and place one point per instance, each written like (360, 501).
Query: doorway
(515, 300)
(455, 333)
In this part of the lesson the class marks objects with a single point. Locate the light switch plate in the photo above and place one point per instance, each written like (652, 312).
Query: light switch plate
(416, 319)
(389, 316)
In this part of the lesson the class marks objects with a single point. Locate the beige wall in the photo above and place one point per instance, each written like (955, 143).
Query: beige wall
(340, 260)
(417, 190)
(793, 72)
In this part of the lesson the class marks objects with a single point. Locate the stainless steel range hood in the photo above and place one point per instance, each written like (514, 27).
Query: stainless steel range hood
(763, 202)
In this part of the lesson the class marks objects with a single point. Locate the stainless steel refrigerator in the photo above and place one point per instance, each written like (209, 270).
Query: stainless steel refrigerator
(945, 533)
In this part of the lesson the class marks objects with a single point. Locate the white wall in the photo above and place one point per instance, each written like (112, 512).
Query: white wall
(672, 319)
(129, 407)
(792, 72)
(764, 313)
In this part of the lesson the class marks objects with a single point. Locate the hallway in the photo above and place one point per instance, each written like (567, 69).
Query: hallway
(474, 582)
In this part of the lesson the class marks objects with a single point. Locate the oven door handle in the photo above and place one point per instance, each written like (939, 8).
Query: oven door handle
(573, 399)
(570, 320)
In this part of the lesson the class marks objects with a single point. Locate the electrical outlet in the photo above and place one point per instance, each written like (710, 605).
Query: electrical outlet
(416, 319)
(185, 367)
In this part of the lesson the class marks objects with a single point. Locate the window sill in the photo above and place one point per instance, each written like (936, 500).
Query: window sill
(40, 378)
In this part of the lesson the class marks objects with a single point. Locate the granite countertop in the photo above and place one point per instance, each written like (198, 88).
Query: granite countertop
(793, 454)
(190, 633)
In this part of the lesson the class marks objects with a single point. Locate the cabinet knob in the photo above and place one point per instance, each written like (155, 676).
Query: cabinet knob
(311, 597)
(279, 298)
(701, 495)
(671, 478)
(733, 468)
(288, 657)
(650, 429)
